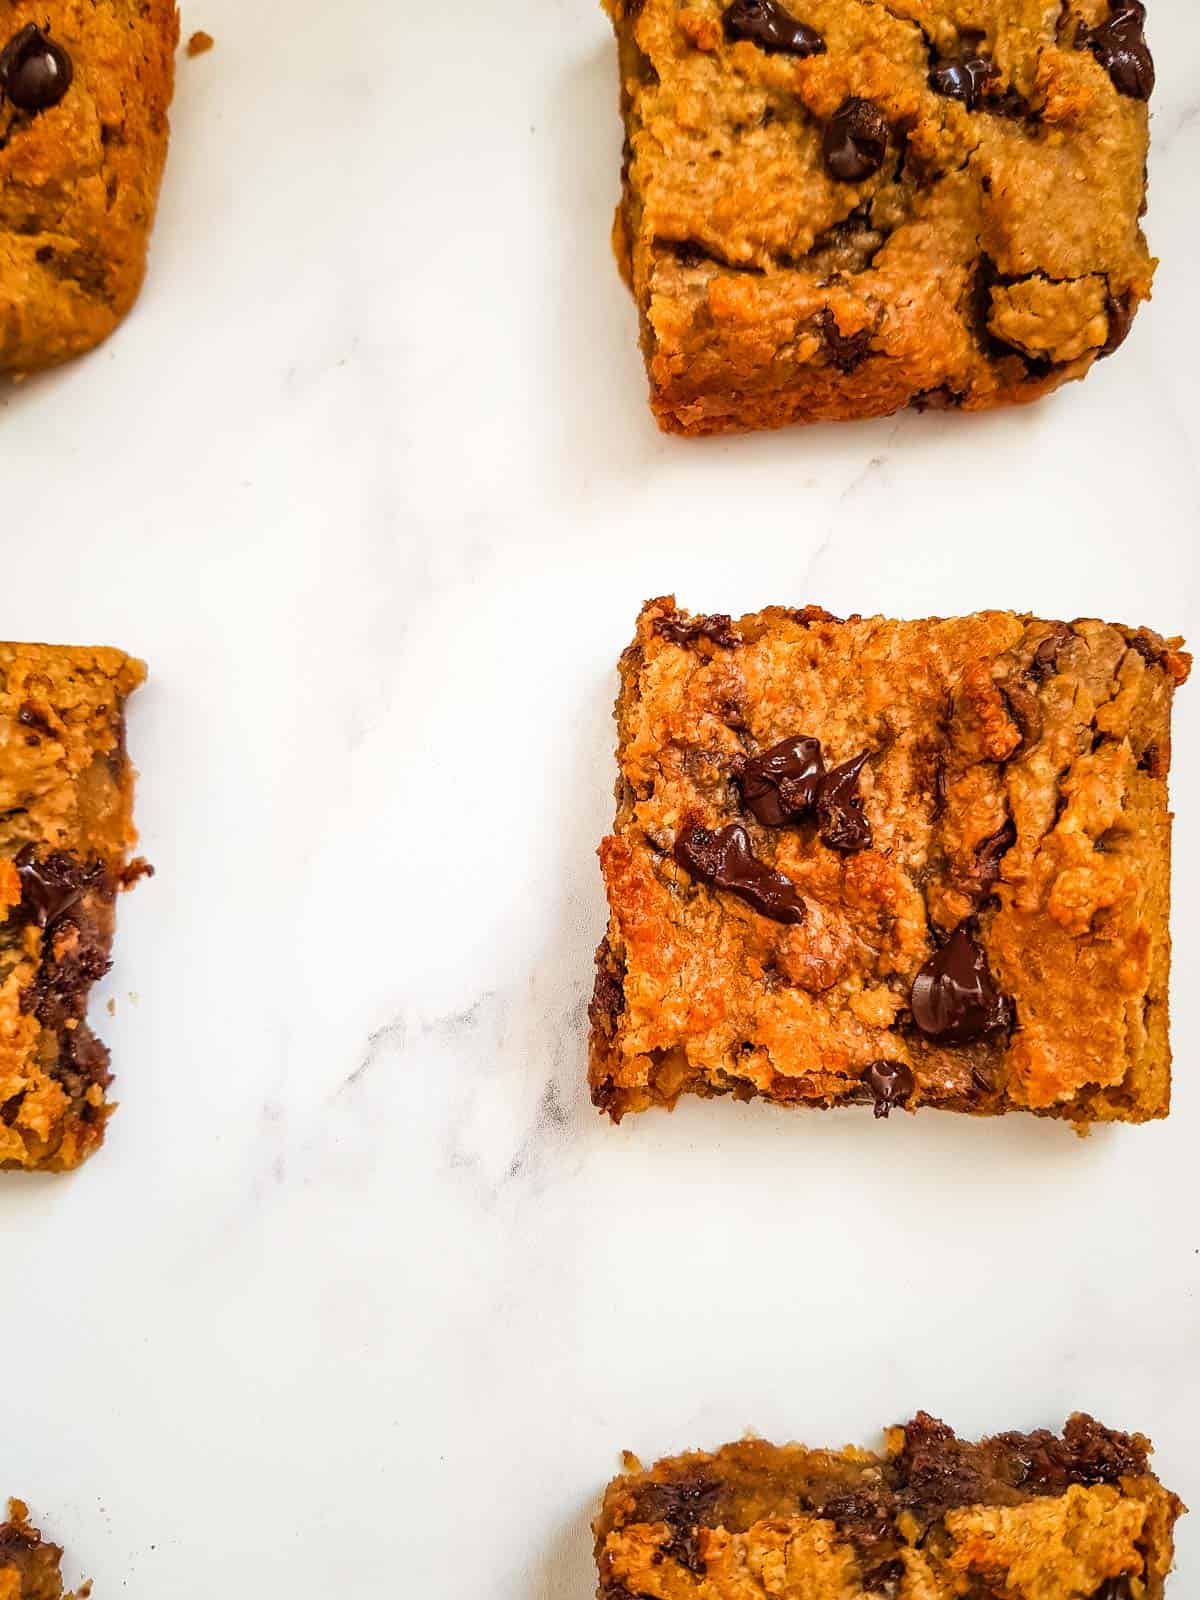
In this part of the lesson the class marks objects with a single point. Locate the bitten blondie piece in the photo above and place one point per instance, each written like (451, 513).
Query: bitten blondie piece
(84, 91)
(29, 1568)
(899, 863)
(1023, 1516)
(66, 827)
(835, 208)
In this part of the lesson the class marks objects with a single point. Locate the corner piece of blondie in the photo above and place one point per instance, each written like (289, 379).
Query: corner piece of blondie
(84, 94)
(891, 863)
(66, 829)
(29, 1567)
(836, 208)
(1026, 1516)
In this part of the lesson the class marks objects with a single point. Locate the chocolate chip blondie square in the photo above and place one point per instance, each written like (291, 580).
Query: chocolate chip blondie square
(892, 863)
(66, 829)
(835, 208)
(29, 1567)
(1025, 1516)
(84, 91)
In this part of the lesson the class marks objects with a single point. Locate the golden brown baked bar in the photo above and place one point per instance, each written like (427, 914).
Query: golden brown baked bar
(1018, 1517)
(29, 1567)
(835, 208)
(84, 91)
(66, 828)
(897, 863)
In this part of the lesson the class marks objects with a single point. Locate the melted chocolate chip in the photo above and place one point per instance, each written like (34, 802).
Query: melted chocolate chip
(840, 817)
(1045, 658)
(991, 851)
(1120, 48)
(884, 1579)
(1151, 646)
(782, 784)
(890, 1083)
(846, 350)
(30, 717)
(1120, 320)
(35, 71)
(726, 860)
(1114, 1589)
(941, 399)
(716, 629)
(766, 24)
(954, 996)
(685, 1506)
(608, 996)
(856, 140)
(963, 80)
(50, 887)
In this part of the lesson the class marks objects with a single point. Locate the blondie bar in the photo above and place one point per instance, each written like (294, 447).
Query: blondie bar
(84, 91)
(835, 208)
(29, 1567)
(66, 828)
(1024, 1516)
(894, 863)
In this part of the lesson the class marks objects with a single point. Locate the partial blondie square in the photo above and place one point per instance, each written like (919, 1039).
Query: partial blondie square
(1025, 1516)
(85, 87)
(29, 1566)
(66, 831)
(889, 863)
(836, 208)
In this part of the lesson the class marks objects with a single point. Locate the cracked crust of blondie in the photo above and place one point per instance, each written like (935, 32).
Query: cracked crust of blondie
(66, 829)
(1021, 1516)
(85, 86)
(898, 864)
(836, 208)
(29, 1567)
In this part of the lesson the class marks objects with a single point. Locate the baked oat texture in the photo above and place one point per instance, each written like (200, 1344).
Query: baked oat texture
(79, 180)
(1018, 1517)
(976, 918)
(66, 829)
(29, 1567)
(995, 253)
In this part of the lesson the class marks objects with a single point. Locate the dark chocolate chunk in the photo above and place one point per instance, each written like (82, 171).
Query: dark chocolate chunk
(51, 886)
(1119, 45)
(890, 1082)
(856, 140)
(962, 80)
(1102, 1455)
(35, 71)
(766, 24)
(937, 1470)
(954, 996)
(726, 860)
(991, 851)
(783, 784)
(716, 629)
(840, 816)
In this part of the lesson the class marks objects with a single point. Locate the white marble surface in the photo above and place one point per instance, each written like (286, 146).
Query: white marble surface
(361, 1297)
